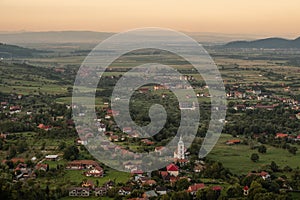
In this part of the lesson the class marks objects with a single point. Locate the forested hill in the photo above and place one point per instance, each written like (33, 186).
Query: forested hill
(7, 50)
(268, 43)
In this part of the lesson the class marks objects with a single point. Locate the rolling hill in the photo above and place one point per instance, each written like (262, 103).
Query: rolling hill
(8, 51)
(268, 43)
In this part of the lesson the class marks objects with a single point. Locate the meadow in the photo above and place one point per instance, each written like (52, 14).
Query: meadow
(237, 157)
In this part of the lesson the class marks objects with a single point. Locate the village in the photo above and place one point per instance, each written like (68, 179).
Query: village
(256, 155)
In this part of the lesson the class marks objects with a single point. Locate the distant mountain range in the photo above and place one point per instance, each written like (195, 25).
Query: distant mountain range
(78, 40)
(53, 37)
(268, 43)
(79, 37)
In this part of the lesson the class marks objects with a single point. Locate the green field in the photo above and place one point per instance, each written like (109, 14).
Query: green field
(90, 197)
(237, 157)
(77, 176)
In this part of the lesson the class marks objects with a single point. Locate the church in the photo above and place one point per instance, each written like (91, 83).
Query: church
(179, 154)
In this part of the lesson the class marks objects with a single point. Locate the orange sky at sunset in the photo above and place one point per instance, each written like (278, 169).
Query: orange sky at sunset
(270, 17)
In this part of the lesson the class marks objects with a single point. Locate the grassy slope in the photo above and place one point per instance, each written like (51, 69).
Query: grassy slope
(237, 157)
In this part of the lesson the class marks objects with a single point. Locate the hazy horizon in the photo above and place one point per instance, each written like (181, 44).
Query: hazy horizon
(268, 18)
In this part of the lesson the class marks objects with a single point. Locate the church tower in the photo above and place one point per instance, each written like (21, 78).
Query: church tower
(180, 149)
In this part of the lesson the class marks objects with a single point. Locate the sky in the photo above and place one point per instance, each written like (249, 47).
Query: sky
(268, 17)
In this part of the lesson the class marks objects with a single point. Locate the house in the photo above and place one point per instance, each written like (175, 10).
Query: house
(173, 169)
(256, 91)
(20, 167)
(81, 141)
(61, 70)
(173, 180)
(281, 135)
(159, 149)
(23, 172)
(111, 113)
(187, 106)
(88, 184)
(114, 138)
(79, 192)
(267, 107)
(160, 87)
(165, 176)
(100, 191)
(4, 104)
(297, 138)
(137, 172)
(147, 142)
(264, 175)
(240, 107)
(142, 179)
(149, 194)
(123, 191)
(232, 142)
(199, 168)
(3, 136)
(130, 166)
(108, 133)
(14, 109)
(194, 188)
(149, 182)
(143, 90)
(181, 162)
(239, 95)
(42, 167)
(134, 134)
(216, 188)
(127, 130)
(44, 127)
(161, 190)
(51, 157)
(110, 184)
(96, 172)
(82, 164)
(101, 127)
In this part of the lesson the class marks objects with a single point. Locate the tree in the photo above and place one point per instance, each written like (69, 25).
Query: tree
(262, 149)
(47, 191)
(293, 150)
(254, 157)
(255, 188)
(62, 146)
(182, 184)
(21, 146)
(234, 191)
(211, 194)
(201, 194)
(274, 167)
(181, 195)
(71, 153)
(12, 151)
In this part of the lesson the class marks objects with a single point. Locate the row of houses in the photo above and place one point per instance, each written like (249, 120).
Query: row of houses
(122, 191)
(22, 171)
(93, 169)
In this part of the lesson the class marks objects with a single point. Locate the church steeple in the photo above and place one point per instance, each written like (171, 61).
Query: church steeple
(180, 149)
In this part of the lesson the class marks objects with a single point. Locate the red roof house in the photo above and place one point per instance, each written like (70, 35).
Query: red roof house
(281, 135)
(173, 169)
(194, 188)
